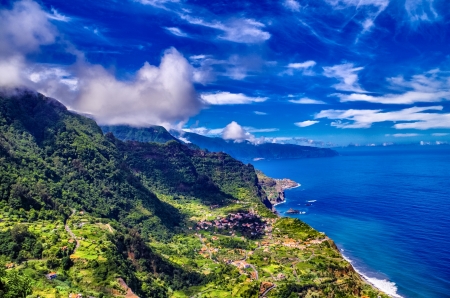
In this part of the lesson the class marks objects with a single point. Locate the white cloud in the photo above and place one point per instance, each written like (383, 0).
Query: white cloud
(259, 113)
(176, 31)
(440, 134)
(24, 28)
(234, 131)
(55, 15)
(432, 86)
(304, 67)
(421, 11)
(406, 98)
(162, 95)
(11, 71)
(227, 98)
(306, 123)
(236, 30)
(252, 129)
(421, 118)
(157, 3)
(367, 11)
(347, 74)
(306, 101)
(204, 131)
(403, 135)
(291, 5)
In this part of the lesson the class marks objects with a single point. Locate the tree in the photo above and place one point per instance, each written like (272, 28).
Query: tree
(14, 285)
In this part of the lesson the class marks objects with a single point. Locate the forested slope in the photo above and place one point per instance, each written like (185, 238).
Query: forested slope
(83, 212)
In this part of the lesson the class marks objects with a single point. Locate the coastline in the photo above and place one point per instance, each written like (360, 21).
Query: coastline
(383, 285)
(284, 201)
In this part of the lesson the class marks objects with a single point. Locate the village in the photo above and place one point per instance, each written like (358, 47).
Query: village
(247, 223)
(262, 241)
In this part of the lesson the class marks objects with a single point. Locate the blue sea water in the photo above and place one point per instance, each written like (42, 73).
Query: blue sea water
(386, 208)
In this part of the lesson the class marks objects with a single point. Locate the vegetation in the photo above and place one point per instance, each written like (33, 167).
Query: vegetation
(83, 212)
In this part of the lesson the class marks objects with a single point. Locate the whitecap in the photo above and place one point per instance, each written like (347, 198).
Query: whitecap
(311, 201)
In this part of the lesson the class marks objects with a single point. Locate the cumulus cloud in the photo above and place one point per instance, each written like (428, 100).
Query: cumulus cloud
(23, 30)
(307, 101)
(227, 98)
(421, 118)
(235, 132)
(347, 75)
(292, 5)
(432, 86)
(306, 123)
(156, 95)
(162, 95)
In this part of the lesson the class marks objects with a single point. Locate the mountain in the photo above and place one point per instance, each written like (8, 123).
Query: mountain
(155, 133)
(84, 212)
(242, 151)
(248, 151)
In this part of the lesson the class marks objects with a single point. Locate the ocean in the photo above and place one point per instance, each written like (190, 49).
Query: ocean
(386, 208)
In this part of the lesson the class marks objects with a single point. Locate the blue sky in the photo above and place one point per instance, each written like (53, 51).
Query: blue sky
(318, 71)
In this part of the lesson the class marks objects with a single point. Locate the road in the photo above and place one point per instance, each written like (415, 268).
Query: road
(207, 248)
(66, 226)
(267, 291)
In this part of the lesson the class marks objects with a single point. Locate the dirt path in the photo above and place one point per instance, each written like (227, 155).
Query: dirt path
(207, 248)
(124, 286)
(66, 226)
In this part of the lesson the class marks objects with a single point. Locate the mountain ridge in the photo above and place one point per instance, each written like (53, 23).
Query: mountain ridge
(167, 220)
(245, 150)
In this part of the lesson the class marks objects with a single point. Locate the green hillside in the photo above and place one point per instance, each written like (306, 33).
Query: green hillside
(157, 134)
(83, 212)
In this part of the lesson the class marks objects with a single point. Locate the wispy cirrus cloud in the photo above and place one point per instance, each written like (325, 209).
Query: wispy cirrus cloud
(260, 113)
(347, 75)
(403, 135)
(304, 67)
(364, 12)
(176, 31)
(440, 134)
(292, 5)
(227, 98)
(421, 11)
(57, 16)
(307, 101)
(431, 86)
(420, 118)
(239, 30)
(306, 123)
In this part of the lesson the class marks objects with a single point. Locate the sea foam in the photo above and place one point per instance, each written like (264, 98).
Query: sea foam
(384, 285)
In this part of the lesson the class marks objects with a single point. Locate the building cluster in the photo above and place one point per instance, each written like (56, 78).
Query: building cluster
(245, 222)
